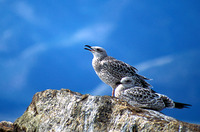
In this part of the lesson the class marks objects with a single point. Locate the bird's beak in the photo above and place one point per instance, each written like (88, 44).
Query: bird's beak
(88, 48)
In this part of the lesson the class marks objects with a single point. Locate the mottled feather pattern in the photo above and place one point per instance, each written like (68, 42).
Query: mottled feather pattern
(118, 66)
(169, 103)
(118, 69)
(143, 98)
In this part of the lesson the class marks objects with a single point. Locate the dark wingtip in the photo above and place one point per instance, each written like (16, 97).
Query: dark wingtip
(153, 91)
(181, 105)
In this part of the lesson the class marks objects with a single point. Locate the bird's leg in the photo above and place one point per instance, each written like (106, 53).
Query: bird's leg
(113, 92)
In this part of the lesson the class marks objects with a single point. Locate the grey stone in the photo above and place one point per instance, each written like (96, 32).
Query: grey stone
(6, 126)
(67, 111)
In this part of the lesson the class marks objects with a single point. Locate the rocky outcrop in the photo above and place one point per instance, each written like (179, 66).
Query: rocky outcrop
(6, 126)
(66, 111)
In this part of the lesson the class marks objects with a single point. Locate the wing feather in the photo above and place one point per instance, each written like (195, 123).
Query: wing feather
(115, 67)
(119, 69)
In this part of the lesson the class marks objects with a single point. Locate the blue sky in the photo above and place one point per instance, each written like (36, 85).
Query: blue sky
(41, 47)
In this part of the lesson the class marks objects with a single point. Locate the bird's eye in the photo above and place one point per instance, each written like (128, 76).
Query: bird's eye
(99, 50)
(128, 81)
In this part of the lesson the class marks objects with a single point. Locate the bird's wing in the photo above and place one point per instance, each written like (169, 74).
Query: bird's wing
(118, 68)
(167, 101)
(141, 95)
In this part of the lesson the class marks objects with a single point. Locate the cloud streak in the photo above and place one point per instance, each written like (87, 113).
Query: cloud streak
(5, 36)
(97, 32)
(26, 11)
(154, 63)
(94, 33)
(100, 89)
(17, 69)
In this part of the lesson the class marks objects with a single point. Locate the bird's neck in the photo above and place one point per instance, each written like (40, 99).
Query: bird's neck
(98, 58)
(96, 64)
(118, 90)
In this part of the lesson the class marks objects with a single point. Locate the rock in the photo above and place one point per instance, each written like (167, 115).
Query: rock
(6, 126)
(66, 111)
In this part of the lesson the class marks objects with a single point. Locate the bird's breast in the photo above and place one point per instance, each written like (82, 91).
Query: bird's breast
(96, 65)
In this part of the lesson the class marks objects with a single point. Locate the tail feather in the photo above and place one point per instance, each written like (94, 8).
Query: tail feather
(181, 105)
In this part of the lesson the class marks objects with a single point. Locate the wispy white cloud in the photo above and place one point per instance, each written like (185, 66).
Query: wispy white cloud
(154, 63)
(32, 51)
(100, 30)
(17, 69)
(28, 13)
(94, 33)
(25, 11)
(4, 37)
(100, 89)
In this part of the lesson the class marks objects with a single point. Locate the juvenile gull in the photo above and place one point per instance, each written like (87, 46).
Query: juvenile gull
(144, 98)
(111, 70)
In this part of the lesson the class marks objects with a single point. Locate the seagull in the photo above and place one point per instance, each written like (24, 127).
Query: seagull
(111, 70)
(144, 98)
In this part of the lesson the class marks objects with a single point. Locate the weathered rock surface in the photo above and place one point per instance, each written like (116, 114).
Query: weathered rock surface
(67, 111)
(6, 126)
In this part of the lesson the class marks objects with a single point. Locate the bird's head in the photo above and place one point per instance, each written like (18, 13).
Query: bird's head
(98, 52)
(127, 82)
